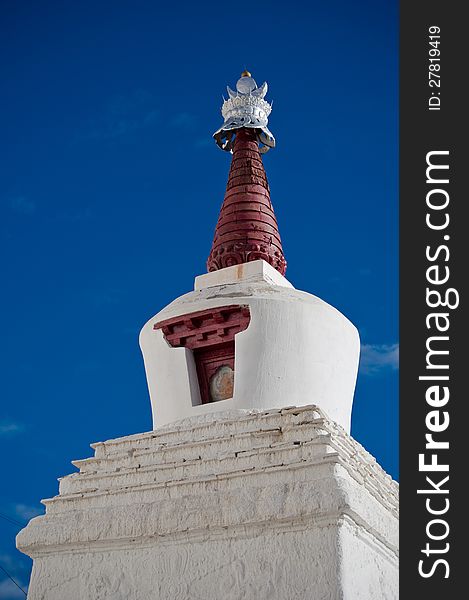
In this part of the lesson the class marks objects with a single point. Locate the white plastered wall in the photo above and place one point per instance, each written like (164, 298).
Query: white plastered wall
(296, 349)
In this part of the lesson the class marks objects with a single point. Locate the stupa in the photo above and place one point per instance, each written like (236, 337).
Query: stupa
(249, 485)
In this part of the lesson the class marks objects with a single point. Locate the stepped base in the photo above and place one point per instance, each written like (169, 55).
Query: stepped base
(281, 504)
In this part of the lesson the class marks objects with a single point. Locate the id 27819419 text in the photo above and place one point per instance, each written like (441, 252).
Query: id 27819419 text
(434, 68)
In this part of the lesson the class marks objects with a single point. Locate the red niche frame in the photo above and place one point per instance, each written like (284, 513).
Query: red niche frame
(209, 334)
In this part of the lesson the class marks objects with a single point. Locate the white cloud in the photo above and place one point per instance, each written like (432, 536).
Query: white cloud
(125, 114)
(7, 561)
(9, 591)
(27, 512)
(204, 142)
(10, 428)
(185, 121)
(376, 358)
(75, 216)
(22, 206)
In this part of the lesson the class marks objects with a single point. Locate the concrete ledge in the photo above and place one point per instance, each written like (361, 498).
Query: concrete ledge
(251, 272)
(210, 461)
(255, 502)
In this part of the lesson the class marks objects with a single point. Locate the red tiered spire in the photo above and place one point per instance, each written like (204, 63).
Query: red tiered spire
(247, 228)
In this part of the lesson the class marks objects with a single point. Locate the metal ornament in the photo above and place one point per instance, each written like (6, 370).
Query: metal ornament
(245, 107)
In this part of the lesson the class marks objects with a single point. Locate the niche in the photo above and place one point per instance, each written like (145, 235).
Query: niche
(210, 336)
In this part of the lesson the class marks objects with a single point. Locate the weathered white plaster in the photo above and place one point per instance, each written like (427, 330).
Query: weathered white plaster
(277, 505)
(257, 271)
(296, 348)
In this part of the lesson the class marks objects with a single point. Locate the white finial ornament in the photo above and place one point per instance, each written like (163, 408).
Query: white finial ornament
(246, 84)
(245, 107)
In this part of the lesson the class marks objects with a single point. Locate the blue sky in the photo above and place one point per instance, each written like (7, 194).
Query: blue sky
(111, 185)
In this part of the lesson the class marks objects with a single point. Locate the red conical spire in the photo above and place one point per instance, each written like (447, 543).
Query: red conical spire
(247, 229)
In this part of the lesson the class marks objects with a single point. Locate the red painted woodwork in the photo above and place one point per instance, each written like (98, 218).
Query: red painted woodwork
(207, 361)
(210, 334)
(205, 327)
(247, 228)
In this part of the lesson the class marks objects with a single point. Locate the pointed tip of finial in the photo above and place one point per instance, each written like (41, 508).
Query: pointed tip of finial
(245, 73)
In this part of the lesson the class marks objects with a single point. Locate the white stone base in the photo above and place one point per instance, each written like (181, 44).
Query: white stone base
(271, 505)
